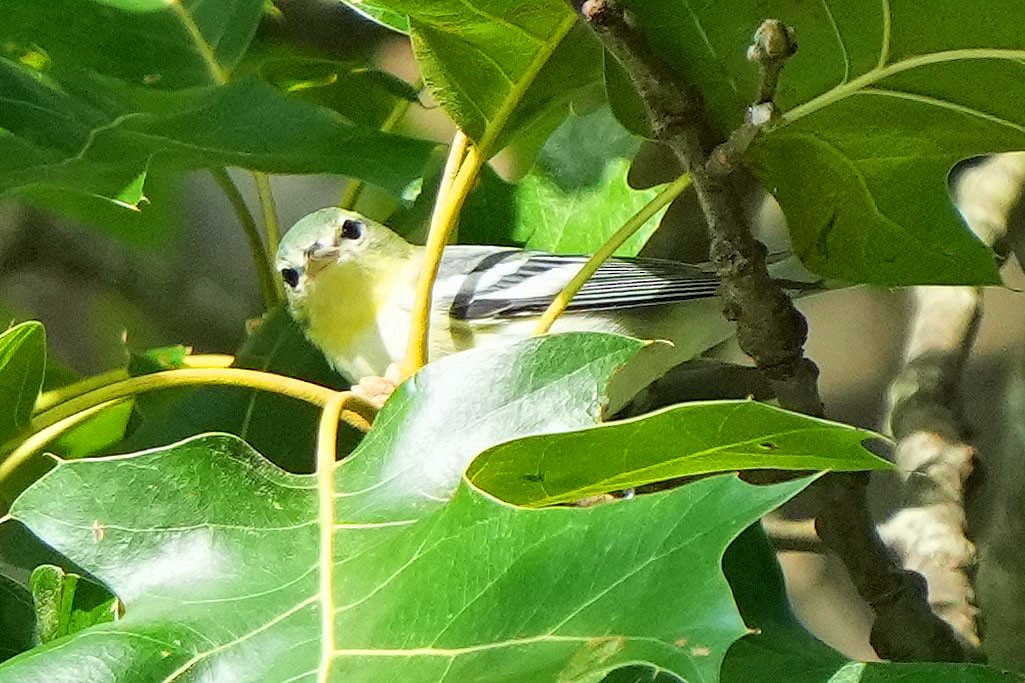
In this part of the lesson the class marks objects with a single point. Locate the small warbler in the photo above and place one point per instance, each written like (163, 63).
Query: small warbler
(351, 283)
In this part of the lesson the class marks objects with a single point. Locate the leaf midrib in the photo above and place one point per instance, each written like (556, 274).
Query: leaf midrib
(203, 48)
(845, 90)
(495, 126)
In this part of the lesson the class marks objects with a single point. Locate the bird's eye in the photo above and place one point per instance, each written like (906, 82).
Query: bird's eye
(290, 276)
(352, 230)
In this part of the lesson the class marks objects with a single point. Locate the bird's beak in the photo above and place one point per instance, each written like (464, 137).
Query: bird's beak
(322, 253)
(319, 255)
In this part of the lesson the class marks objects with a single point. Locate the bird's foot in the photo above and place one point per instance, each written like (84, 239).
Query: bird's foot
(376, 390)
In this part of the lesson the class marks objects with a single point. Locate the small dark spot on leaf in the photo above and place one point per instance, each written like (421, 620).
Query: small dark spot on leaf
(768, 446)
(535, 478)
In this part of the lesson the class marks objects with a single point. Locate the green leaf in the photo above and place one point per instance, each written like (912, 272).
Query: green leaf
(74, 138)
(879, 103)
(52, 593)
(58, 603)
(221, 558)
(157, 359)
(780, 649)
(250, 124)
(154, 43)
(97, 435)
(498, 66)
(625, 101)
(144, 213)
(63, 141)
(686, 440)
(574, 198)
(331, 84)
(22, 363)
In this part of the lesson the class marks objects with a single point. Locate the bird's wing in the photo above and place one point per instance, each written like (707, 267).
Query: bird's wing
(478, 283)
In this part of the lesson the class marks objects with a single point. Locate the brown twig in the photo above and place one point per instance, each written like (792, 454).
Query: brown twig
(769, 328)
(773, 332)
(773, 45)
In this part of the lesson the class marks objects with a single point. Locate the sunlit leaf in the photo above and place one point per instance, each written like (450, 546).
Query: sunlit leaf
(62, 141)
(498, 66)
(391, 566)
(691, 439)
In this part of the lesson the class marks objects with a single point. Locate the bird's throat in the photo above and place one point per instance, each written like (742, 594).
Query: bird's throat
(344, 304)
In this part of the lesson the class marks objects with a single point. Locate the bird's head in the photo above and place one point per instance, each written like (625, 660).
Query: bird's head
(333, 242)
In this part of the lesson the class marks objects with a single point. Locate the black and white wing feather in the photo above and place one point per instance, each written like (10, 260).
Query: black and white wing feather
(482, 283)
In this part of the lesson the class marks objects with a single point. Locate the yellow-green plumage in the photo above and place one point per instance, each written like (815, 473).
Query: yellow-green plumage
(351, 282)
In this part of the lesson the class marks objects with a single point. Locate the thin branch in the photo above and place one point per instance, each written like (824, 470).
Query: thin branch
(273, 290)
(49, 399)
(934, 454)
(354, 188)
(456, 155)
(270, 219)
(443, 222)
(452, 196)
(773, 45)
(169, 379)
(636, 222)
(359, 415)
(39, 440)
(257, 251)
(769, 328)
(773, 332)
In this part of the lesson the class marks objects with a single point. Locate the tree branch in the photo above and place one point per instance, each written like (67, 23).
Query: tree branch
(773, 332)
(263, 261)
(933, 452)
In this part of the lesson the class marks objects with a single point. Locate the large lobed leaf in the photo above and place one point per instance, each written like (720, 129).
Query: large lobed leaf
(879, 103)
(227, 566)
(56, 138)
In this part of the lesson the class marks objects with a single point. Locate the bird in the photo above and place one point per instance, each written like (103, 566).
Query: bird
(350, 284)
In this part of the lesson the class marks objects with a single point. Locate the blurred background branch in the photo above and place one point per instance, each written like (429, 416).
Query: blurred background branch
(934, 453)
